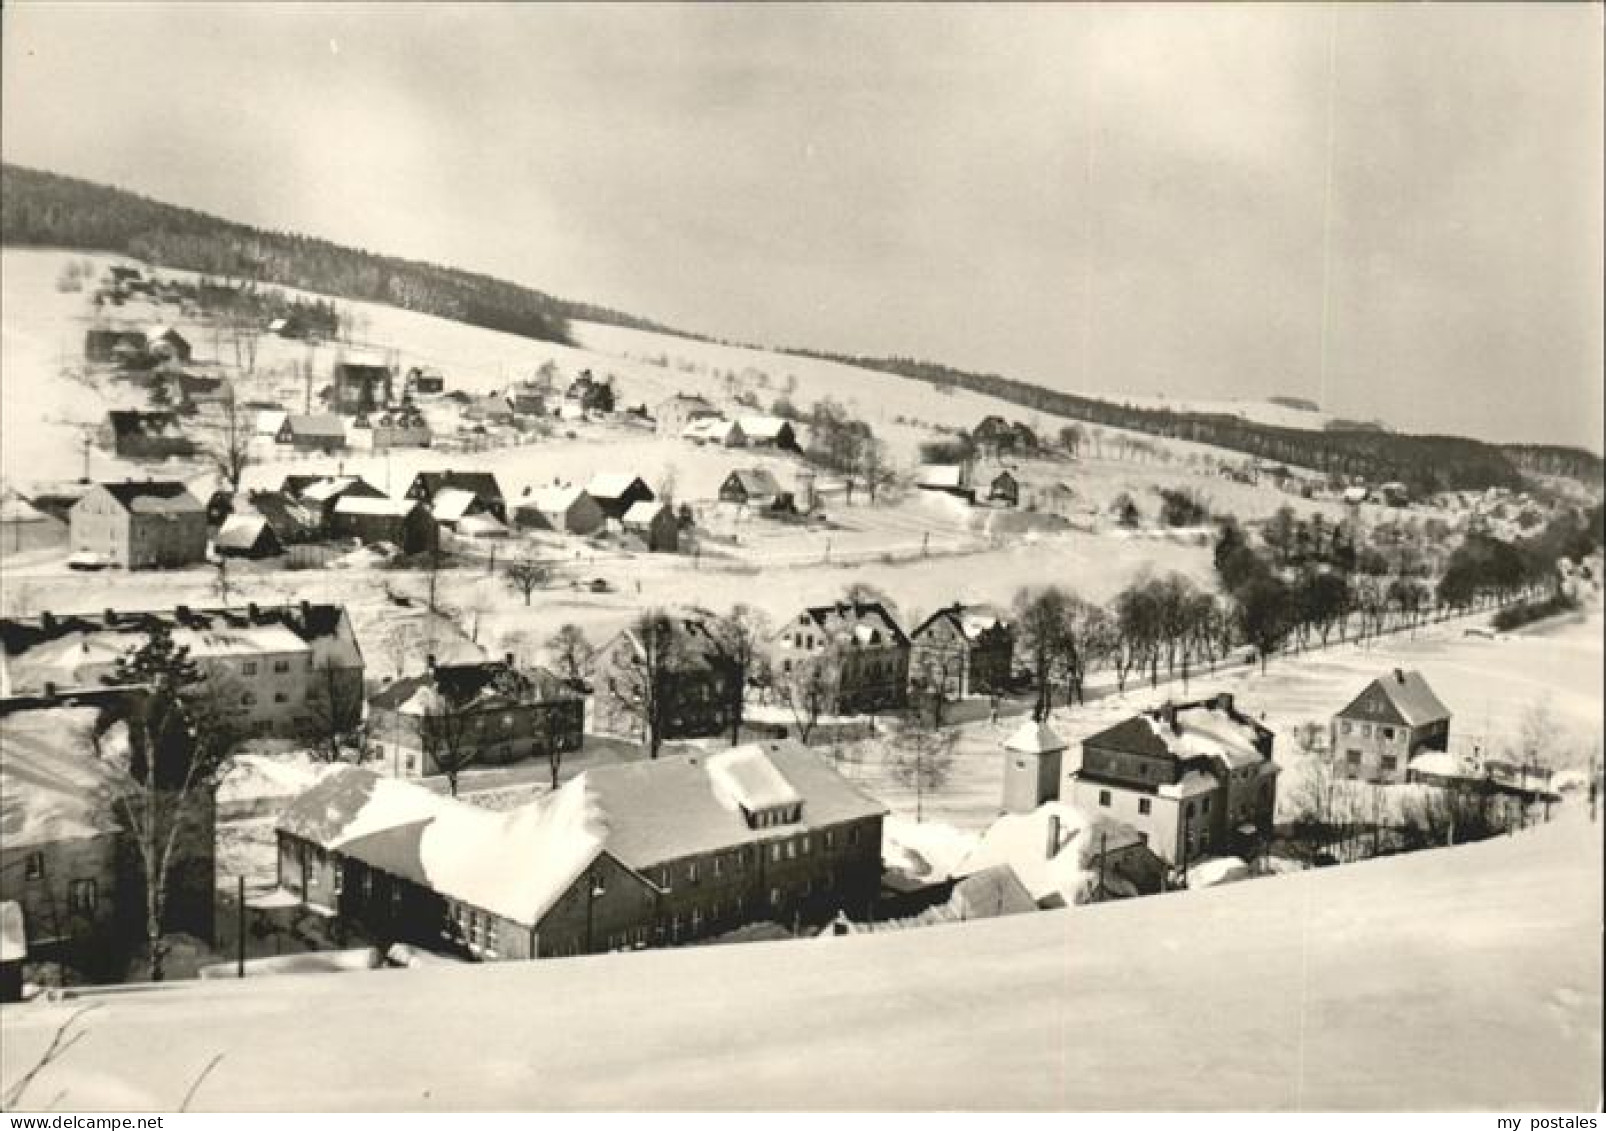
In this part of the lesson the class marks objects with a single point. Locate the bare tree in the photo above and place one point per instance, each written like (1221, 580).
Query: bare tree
(334, 711)
(181, 734)
(921, 757)
(740, 637)
(448, 730)
(230, 450)
(525, 574)
(810, 689)
(1040, 620)
(1086, 636)
(639, 681)
(400, 642)
(572, 654)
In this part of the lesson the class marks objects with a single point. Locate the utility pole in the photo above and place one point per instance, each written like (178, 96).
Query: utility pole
(88, 443)
(239, 926)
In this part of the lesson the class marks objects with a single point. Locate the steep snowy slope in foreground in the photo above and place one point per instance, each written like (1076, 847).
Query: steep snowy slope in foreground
(1461, 979)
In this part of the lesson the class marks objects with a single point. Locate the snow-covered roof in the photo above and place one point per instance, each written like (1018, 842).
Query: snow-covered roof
(481, 526)
(1217, 870)
(451, 503)
(1020, 840)
(1034, 738)
(763, 427)
(610, 484)
(239, 532)
(270, 420)
(326, 489)
(941, 475)
(13, 935)
(553, 500)
(745, 778)
(394, 508)
(1441, 763)
(14, 508)
(1192, 784)
(1405, 692)
(642, 512)
(52, 787)
(1209, 732)
(711, 428)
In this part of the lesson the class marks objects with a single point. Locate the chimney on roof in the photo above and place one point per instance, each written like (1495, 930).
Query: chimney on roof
(306, 610)
(1168, 715)
(182, 612)
(1051, 844)
(508, 656)
(429, 661)
(1399, 676)
(251, 611)
(111, 618)
(50, 689)
(1224, 702)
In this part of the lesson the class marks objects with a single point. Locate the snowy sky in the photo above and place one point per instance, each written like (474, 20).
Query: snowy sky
(1395, 210)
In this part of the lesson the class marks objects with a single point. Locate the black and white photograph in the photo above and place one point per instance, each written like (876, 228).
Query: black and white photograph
(801, 558)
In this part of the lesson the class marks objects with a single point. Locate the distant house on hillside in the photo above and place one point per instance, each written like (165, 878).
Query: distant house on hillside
(671, 416)
(654, 524)
(320, 493)
(391, 428)
(617, 492)
(715, 430)
(319, 432)
(107, 344)
(1396, 717)
(135, 434)
(751, 487)
(426, 485)
(1005, 488)
(164, 342)
(769, 432)
(489, 408)
(141, 525)
(968, 650)
(361, 384)
(947, 479)
(425, 382)
(562, 509)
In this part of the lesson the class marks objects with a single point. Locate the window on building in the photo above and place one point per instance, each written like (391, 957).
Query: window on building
(1344, 727)
(1366, 730)
(691, 872)
(775, 897)
(791, 850)
(339, 873)
(281, 665)
(696, 919)
(248, 699)
(719, 865)
(83, 896)
(775, 852)
(1204, 806)
(853, 836)
(248, 668)
(1353, 757)
(34, 867)
(1143, 805)
(1388, 734)
(830, 838)
(1390, 762)
(1104, 798)
(808, 845)
(507, 721)
(280, 697)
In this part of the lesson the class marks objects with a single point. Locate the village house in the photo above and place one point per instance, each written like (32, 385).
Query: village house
(24, 527)
(1395, 718)
(105, 344)
(752, 487)
(279, 661)
(623, 857)
(153, 524)
(135, 434)
(696, 685)
(966, 650)
(588, 394)
(403, 523)
(527, 399)
(1004, 488)
(246, 536)
(320, 432)
(769, 432)
(715, 430)
(489, 408)
(1065, 855)
(671, 416)
(859, 651)
(654, 525)
(946, 478)
(562, 509)
(403, 427)
(451, 505)
(617, 492)
(427, 485)
(166, 343)
(361, 383)
(490, 711)
(997, 436)
(322, 492)
(67, 861)
(1196, 779)
(292, 521)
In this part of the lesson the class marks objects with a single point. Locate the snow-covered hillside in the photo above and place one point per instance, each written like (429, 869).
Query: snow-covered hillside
(1458, 979)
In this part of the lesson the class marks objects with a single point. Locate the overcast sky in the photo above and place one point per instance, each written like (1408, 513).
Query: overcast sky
(1394, 210)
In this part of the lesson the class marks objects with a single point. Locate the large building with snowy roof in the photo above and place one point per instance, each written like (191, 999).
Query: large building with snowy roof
(140, 525)
(641, 854)
(967, 650)
(1396, 717)
(277, 662)
(1196, 779)
(856, 649)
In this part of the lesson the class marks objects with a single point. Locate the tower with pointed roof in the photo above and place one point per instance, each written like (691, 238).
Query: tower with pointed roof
(1032, 763)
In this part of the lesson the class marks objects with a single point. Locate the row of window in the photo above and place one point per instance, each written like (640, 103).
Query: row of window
(1386, 761)
(82, 895)
(789, 849)
(1346, 727)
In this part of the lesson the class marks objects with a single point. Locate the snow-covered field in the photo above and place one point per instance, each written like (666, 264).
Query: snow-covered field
(1464, 979)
